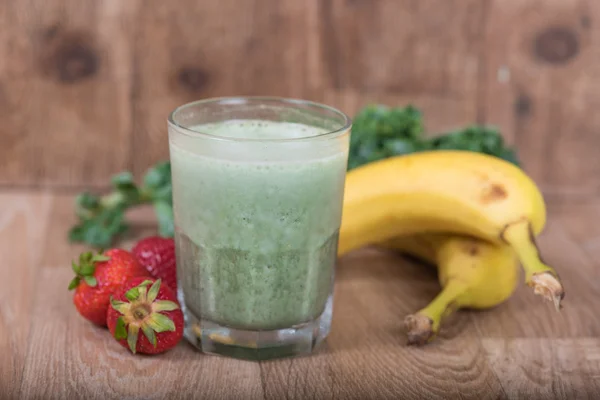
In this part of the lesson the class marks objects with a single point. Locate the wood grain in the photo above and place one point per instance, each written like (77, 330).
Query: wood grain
(440, 114)
(105, 75)
(93, 365)
(50, 350)
(409, 47)
(546, 368)
(539, 86)
(366, 353)
(581, 225)
(64, 91)
(397, 53)
(207, 49)
(23, 224)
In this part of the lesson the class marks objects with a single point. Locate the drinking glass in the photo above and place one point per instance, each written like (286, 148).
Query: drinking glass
(258, 187)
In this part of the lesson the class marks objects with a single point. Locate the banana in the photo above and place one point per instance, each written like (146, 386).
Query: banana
(449, 191)
(473, 274)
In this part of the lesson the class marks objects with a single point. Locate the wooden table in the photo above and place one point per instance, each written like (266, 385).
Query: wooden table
(521, 349)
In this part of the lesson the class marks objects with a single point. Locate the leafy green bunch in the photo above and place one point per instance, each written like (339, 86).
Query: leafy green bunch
(378, 132)
(102, 218)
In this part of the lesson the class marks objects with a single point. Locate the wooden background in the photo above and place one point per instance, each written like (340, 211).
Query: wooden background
(86, 85)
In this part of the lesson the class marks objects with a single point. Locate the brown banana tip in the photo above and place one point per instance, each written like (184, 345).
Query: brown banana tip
(420, 329)
(548, 286)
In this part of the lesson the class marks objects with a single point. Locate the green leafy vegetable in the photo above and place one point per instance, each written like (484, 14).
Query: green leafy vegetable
(102, 218)
(480, 139)
(378, 132)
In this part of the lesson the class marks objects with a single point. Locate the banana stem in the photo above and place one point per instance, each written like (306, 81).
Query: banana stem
(425, 323)
(543, 278)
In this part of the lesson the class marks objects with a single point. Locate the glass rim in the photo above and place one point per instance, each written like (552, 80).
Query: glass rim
(345, 125)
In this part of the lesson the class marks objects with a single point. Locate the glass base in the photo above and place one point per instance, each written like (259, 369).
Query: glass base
(215, 339)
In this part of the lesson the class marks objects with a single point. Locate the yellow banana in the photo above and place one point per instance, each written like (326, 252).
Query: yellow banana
(473, 274)
(450, 191)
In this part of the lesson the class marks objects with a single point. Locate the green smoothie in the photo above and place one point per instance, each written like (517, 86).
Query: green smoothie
(257, 231)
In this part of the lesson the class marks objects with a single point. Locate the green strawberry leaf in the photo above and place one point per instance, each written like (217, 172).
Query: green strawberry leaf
(85, 257)
(75, 267)
(153, 292)
(133, 294)
(90, 280)
(74, 283)
(149, 333)
(132, 337)
(164, 305)
(120, 331)
(100, 257)
(160, 323)
(119, 306)
(87, 269)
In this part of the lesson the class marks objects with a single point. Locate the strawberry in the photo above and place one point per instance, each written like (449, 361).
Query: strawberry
(97, 276)
(157, 254)
(146, 305)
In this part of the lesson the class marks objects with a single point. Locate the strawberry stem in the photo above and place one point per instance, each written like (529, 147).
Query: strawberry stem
(143, 312)
(86, 268)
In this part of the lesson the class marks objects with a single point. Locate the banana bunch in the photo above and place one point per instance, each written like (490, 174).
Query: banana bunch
(474, 216)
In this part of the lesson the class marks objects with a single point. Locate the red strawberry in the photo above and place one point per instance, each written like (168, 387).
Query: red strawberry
(157, 254)
(97, 277)
(145, 316)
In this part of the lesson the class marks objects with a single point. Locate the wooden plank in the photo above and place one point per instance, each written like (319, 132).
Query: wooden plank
(581, 224)
(65, 82)
(424, 47)
(23, 223)
(366, 354)
(546, 368)
(195, 50)
(440, 114)
(491, 354)
(540, 87)
(370, 55)
(91, 364)
(581, 221)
